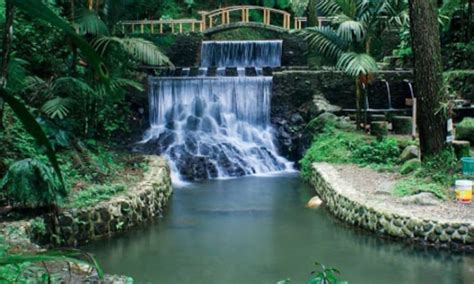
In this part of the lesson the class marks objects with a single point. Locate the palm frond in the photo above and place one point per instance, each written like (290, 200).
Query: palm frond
(139, 48)
(357, 64)
(58, 107)
(329, 7)
(350, 30)
(117, 84)
(325, 40)
(88, 22)
(34, 129)
(68, 85)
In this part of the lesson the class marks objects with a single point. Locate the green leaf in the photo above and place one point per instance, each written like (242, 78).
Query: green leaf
(357, 64)
(141, 49)
(38, 10)
(34, 129)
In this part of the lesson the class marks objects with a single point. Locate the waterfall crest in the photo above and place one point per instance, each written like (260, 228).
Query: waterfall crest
(212, 127)
(263, 53)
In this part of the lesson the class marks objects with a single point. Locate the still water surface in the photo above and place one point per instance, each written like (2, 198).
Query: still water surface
(257, 230)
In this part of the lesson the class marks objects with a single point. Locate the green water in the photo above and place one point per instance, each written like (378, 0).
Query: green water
(257, 230)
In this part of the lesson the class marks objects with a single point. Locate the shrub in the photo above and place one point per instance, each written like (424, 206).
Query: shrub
(465, 129)
(331, 146)
(379, 152)
(31, 183)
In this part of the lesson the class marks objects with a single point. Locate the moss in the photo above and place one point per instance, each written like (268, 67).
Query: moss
(414, 185)
(410, 166)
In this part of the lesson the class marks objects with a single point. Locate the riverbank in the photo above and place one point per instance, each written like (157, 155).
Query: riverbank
(363, 198)
(74, 226)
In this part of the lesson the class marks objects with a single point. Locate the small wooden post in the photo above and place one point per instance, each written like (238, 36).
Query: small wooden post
(268, 17)
(243, 15)
(228, 17)
(222, 17)
(210, 22)
(203, 20)
(181, 27)
(152, 27)
(172, 26)
(161, 27)
(192, 25)
(142, 27)
(123, 28)
(133, 28)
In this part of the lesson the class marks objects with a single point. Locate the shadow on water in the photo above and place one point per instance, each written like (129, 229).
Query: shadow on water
(257, 230)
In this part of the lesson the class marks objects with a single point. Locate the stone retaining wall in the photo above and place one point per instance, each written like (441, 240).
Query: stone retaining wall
(338, 196)
(135, 206)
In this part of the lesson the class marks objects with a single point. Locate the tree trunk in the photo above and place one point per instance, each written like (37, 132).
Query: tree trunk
(312, 13)
(426, 46)
(7, 43)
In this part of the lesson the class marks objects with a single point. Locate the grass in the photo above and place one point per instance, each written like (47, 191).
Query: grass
(333, 145)
(95, 194)
(414, 185)
(337, 146)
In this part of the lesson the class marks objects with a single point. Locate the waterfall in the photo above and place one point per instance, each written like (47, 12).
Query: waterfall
(213, 127)
(263, 53)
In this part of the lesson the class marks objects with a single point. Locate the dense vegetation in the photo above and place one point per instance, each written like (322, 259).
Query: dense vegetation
(71, 93)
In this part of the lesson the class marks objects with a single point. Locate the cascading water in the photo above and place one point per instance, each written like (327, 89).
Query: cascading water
(210, 127)
(265, 53)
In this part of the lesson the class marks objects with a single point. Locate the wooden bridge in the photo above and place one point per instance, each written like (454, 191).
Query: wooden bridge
(218, 20)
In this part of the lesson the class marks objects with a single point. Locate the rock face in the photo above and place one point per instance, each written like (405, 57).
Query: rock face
(423, 198)
(410, 152)
(314, 202)
(137, 205)
(306, 94)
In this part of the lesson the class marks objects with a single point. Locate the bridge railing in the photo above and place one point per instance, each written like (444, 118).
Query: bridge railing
(161, 26)
(222, 16)
(219, 17)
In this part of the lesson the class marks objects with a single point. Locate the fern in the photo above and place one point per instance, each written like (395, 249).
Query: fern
(31, 183)
(140, 49)
(58, 107)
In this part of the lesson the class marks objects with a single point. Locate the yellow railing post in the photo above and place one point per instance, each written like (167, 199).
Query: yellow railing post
(180, 27)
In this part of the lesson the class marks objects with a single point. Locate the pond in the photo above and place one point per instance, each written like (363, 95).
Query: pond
(257, 230)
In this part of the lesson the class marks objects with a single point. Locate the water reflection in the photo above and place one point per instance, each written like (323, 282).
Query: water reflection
(257, 230)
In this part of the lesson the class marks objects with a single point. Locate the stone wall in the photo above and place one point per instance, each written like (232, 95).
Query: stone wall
(338, 197)
(299, 95)
(135, 206)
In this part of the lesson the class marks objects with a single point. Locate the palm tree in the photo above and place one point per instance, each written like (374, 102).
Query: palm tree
(348, 38)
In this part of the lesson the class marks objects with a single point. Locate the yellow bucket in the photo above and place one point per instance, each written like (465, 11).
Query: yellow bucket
(463, 191)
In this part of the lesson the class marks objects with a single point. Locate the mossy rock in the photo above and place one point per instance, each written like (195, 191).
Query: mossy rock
(465, 129)
(402, 125)
(410, 166)
(316, 125)
(379, 128)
